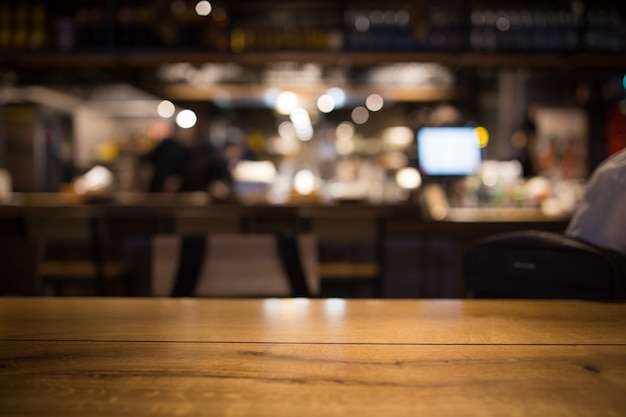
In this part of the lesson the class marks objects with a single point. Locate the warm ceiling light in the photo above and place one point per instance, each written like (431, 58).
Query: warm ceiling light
(286, 130)
(286, 102)
(397, 137)
(186, 119)
(304, 182)
(344, 131)
(362, 24)
(374, 102)
(338, 95)
(326, 103)
(360, 115)
(166, 109)
(302, 123)
(203, 8)
(408, 178)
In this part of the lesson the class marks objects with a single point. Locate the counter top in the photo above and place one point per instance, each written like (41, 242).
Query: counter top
(311, 357)
(197, 203)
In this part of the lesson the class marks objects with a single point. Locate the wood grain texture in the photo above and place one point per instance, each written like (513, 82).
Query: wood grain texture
(212, 379)
(314, 321)
(298, 357)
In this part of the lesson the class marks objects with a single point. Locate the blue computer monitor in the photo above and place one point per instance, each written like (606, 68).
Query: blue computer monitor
(448, 151)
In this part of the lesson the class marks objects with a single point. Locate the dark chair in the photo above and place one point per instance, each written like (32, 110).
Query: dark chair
(535, 264)
(75, 256)
(192, 226)
(18, 256)
(350, 248)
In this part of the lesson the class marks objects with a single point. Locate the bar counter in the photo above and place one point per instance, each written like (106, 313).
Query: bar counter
(413, 256)
(311, 357)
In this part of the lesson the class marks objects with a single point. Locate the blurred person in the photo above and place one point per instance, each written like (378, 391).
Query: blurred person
(238, 149)
(166, 159)
(549, 158)
(600, 217)
(524, 140)
(177, 167)
(572, 165)
(204, 168)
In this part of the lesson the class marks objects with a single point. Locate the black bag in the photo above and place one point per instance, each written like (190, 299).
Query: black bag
(534, 264)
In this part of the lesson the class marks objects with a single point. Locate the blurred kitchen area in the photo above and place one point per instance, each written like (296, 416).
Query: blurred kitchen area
(385, 137)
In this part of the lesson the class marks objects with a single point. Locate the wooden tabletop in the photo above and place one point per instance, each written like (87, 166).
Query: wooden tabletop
(301, 357)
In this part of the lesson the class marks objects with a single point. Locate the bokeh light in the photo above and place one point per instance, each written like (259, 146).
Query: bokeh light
(203, 8)
(360, 115)
(166, 109)
(338, 95)
(483, 136)
(286, 102)
(186, 119)
(302, 123)
(408, 178)
(344, 131)
(304, 182)
(374, 102)
(325, 103)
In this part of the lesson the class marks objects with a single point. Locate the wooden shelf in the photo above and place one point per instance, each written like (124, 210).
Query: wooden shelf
(257, 92)
(585, 60)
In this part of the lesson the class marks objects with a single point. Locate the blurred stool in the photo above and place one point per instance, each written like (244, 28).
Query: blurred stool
(350, 247)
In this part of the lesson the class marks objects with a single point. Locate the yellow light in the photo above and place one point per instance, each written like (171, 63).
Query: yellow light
(483, 136)
(108, 151)
(238, 40)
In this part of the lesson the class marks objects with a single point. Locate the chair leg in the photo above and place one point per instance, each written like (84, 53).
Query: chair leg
(289, 252)
(192, 252)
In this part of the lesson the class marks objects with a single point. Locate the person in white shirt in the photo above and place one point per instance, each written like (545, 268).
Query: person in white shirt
(600, 217)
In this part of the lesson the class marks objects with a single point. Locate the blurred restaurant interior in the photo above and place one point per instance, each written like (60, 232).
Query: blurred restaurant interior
(369, 143)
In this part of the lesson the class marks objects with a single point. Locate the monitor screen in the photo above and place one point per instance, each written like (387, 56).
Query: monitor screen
(448, 150)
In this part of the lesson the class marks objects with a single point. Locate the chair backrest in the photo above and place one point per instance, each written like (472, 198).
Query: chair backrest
(60, 224)
(536, 264)
(234, 265)
(73, 246)
(208, 220)
(350, 241)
